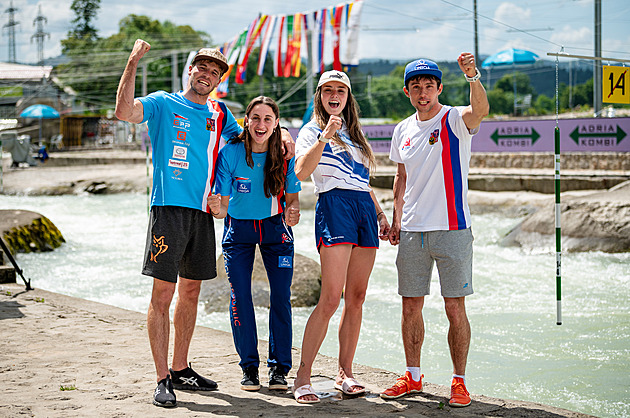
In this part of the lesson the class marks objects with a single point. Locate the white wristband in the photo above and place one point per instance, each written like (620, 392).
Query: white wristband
(474, 78)
(322, 138)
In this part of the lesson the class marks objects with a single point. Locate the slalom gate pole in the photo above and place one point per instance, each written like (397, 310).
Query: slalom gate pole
(558, 210)
(15, 264)
(1, 169)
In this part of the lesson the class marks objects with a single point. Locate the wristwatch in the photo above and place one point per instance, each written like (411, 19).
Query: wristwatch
(474, 78)
(322, 138)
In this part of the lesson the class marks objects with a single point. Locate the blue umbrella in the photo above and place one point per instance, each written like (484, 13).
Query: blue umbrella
(509, 57)
(39, 111)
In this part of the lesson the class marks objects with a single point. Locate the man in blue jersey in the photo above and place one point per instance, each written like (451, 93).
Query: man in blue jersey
(185, 130)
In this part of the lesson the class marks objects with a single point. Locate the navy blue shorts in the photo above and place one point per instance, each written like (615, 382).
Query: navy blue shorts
(346, 217)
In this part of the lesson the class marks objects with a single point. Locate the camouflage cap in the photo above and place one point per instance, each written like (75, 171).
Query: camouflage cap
(212, 54)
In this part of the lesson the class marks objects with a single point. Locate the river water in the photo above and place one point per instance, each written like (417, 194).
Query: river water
(517, 350)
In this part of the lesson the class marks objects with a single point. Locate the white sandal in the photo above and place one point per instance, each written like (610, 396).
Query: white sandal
(303, 391)
(347, 384)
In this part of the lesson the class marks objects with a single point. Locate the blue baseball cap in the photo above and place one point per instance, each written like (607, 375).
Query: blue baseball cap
(422, 66)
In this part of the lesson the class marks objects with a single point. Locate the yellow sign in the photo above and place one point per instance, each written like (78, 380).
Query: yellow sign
(616, 84)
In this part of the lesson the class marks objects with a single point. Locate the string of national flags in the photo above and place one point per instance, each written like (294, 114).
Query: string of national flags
(290, 31)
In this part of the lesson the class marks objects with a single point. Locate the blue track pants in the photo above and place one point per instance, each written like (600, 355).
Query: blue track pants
(275, 240)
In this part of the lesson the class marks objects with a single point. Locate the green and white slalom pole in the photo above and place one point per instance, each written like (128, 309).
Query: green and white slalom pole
(1, 168)
(558, 228)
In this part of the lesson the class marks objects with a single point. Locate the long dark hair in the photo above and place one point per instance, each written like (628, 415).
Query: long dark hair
(274, 172)
(350, 115)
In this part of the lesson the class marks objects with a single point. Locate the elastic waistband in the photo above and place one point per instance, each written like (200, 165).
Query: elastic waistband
(350, 194)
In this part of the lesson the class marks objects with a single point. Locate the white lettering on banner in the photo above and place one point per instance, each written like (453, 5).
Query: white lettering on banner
(515, 143)
(594, 142)
(515, 130)
(178, 164)
(593, 129)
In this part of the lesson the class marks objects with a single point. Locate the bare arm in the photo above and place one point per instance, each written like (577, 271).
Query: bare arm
(288, 144)
(218, 205)
(306, 164)
(479, 106)
(383, 225)
(400, 183)
(127, 108)
(292, 210)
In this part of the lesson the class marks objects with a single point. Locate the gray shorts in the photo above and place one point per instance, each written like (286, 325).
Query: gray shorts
(180, 241)
(451, 251)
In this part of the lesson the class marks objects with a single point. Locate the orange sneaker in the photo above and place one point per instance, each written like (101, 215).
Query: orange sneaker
(459, 395)
(405, 385)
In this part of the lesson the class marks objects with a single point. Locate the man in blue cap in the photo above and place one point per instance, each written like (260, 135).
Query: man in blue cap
(431, 219)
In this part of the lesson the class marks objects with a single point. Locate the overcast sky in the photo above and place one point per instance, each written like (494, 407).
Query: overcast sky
(390, 29)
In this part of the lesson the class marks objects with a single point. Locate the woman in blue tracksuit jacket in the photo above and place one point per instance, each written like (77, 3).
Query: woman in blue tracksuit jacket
(256, 191)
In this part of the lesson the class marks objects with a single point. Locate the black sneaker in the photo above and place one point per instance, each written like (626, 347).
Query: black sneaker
(188, 379)
(164, 395)
(250, 378)
(277, 379)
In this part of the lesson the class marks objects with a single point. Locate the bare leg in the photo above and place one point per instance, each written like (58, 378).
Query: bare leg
(158, 325)
(334, 264)
(184, 320)
(359, 269)
(412, 325)
(458, 333)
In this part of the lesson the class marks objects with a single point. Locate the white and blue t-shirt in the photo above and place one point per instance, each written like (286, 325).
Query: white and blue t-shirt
(245, 184)
(338, 168)
(185, 138)
(436, 154)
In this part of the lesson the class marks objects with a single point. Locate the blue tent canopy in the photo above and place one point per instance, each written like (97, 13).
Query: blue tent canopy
(39, 111)
(510, 56)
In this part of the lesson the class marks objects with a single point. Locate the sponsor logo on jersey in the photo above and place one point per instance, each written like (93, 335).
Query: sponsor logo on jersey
(286, 238)
(181, 122)
(434, 137)
(177, 172)
(285, 261)
(181, 135)
(407, 144)
(179, 164)
(180, 152)
(210, 126)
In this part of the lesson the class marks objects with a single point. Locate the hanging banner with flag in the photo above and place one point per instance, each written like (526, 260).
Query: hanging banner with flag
(297, 45)
(231, 50)
(344, 20)
(319, 31)
(289, 54)
(351, 57)
(252, 36)
(266, 40)
(335, 22)
(277, 67)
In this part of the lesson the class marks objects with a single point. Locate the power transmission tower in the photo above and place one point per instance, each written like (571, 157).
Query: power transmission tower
(40, 35)
(11, 29)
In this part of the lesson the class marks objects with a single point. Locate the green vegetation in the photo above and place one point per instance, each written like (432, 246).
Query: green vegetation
(68, 387)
